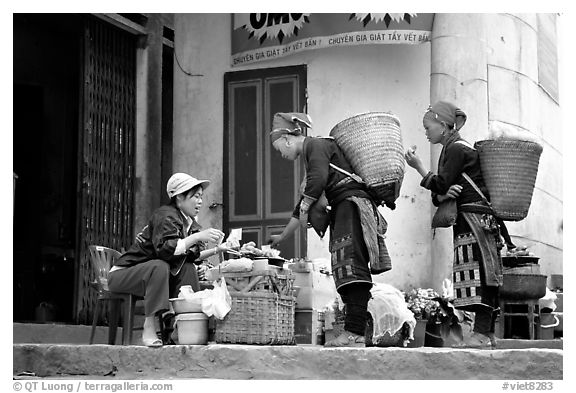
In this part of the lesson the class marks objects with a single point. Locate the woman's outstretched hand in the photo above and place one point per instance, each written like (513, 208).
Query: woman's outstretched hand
(412, 158)
(210, 235)
(274, 240)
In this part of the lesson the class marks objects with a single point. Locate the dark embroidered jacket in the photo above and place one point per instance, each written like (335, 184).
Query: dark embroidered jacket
(165, 227)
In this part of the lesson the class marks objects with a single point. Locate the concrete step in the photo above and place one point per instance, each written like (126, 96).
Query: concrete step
(55, 333)
(218, 361)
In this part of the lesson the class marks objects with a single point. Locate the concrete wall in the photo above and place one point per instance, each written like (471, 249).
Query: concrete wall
(372, 78)
(520, 107)
(492, 74)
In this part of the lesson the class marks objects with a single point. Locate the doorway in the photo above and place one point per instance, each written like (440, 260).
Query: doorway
(45, 150)
(74, 147)
(260, 187)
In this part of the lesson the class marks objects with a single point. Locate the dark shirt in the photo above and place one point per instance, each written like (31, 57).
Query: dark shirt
(165, 227)
(318, 154)
(457, 158)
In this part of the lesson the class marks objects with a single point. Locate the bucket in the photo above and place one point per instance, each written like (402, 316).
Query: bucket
(192, 328)
(548, 321)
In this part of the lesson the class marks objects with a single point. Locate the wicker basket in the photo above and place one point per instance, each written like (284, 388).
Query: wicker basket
(523, 286)
(258, 318)
(272, 280)
(372, 143)
(509, 168)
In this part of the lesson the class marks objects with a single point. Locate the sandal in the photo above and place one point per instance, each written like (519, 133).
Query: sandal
(347, 339)
(147, 338)
(153, 342)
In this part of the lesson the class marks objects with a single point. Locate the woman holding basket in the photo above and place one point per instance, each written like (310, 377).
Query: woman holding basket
(477, 265)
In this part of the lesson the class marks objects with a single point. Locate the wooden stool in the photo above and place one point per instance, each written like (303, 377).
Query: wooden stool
(532, 311)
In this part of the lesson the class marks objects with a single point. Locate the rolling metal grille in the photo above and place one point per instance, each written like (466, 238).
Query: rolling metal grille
(107, 149)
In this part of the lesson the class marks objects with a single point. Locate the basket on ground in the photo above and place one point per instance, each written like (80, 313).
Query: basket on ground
(523, 286)
(509, 168)
(372, 144)
(258, 318)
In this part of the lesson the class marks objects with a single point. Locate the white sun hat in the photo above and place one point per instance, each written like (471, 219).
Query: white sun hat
(182, 182)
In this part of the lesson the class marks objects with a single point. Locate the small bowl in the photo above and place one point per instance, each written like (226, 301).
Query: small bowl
(183, 306)
(276, 262)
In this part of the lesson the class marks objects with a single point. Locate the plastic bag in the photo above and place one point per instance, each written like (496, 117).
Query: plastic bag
(548, 301)
(219, 302)
(389, 311)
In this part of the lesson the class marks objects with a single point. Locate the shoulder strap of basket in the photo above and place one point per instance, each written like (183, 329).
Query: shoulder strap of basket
(353, 176)
(469, 179)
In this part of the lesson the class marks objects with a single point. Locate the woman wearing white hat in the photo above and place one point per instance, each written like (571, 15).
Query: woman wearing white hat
(156, 266)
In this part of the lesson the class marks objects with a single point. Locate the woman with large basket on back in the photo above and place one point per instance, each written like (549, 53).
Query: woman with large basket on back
(459, 191)
(356, 227)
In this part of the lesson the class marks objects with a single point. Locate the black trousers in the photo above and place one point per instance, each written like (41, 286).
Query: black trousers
(153, 281)
(356, 296)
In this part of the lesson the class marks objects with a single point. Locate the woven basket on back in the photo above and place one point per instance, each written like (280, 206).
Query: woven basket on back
(258, 318)
(372, 144)
(509, 168)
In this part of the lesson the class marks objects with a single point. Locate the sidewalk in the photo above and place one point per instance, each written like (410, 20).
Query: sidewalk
(62, 351)
(245, 362)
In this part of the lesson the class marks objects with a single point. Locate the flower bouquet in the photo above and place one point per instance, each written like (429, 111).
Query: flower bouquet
(446, 325)
(423, 303)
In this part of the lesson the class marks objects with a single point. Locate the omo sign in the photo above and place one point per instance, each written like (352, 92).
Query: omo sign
(263, 36)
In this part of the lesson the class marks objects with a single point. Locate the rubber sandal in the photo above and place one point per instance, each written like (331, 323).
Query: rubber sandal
(347, 339)
(154, 342)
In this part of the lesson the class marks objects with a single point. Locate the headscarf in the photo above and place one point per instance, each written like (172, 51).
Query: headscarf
(288, 124)
(448, 113)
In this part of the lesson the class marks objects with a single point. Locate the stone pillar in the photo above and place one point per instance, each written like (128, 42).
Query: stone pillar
(458, 75)
(147, 186)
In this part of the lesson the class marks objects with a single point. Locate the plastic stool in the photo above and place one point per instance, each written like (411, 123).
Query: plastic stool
(532, 311)
(102, 259)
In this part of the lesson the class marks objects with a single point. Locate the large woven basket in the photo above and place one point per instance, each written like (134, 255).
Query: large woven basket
(372, 143)
(509, 168)
(258, 318)
(523, 286)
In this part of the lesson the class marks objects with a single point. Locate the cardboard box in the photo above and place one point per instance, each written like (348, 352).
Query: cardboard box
(317, 289)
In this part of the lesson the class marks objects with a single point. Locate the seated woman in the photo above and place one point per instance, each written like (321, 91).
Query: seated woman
(164, 257)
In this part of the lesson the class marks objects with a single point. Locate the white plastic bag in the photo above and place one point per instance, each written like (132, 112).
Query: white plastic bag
(548, 300)
(219, 302)
(389, 311)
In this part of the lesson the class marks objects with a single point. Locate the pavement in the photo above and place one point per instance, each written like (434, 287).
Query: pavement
(56, 351)
(247, 362)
